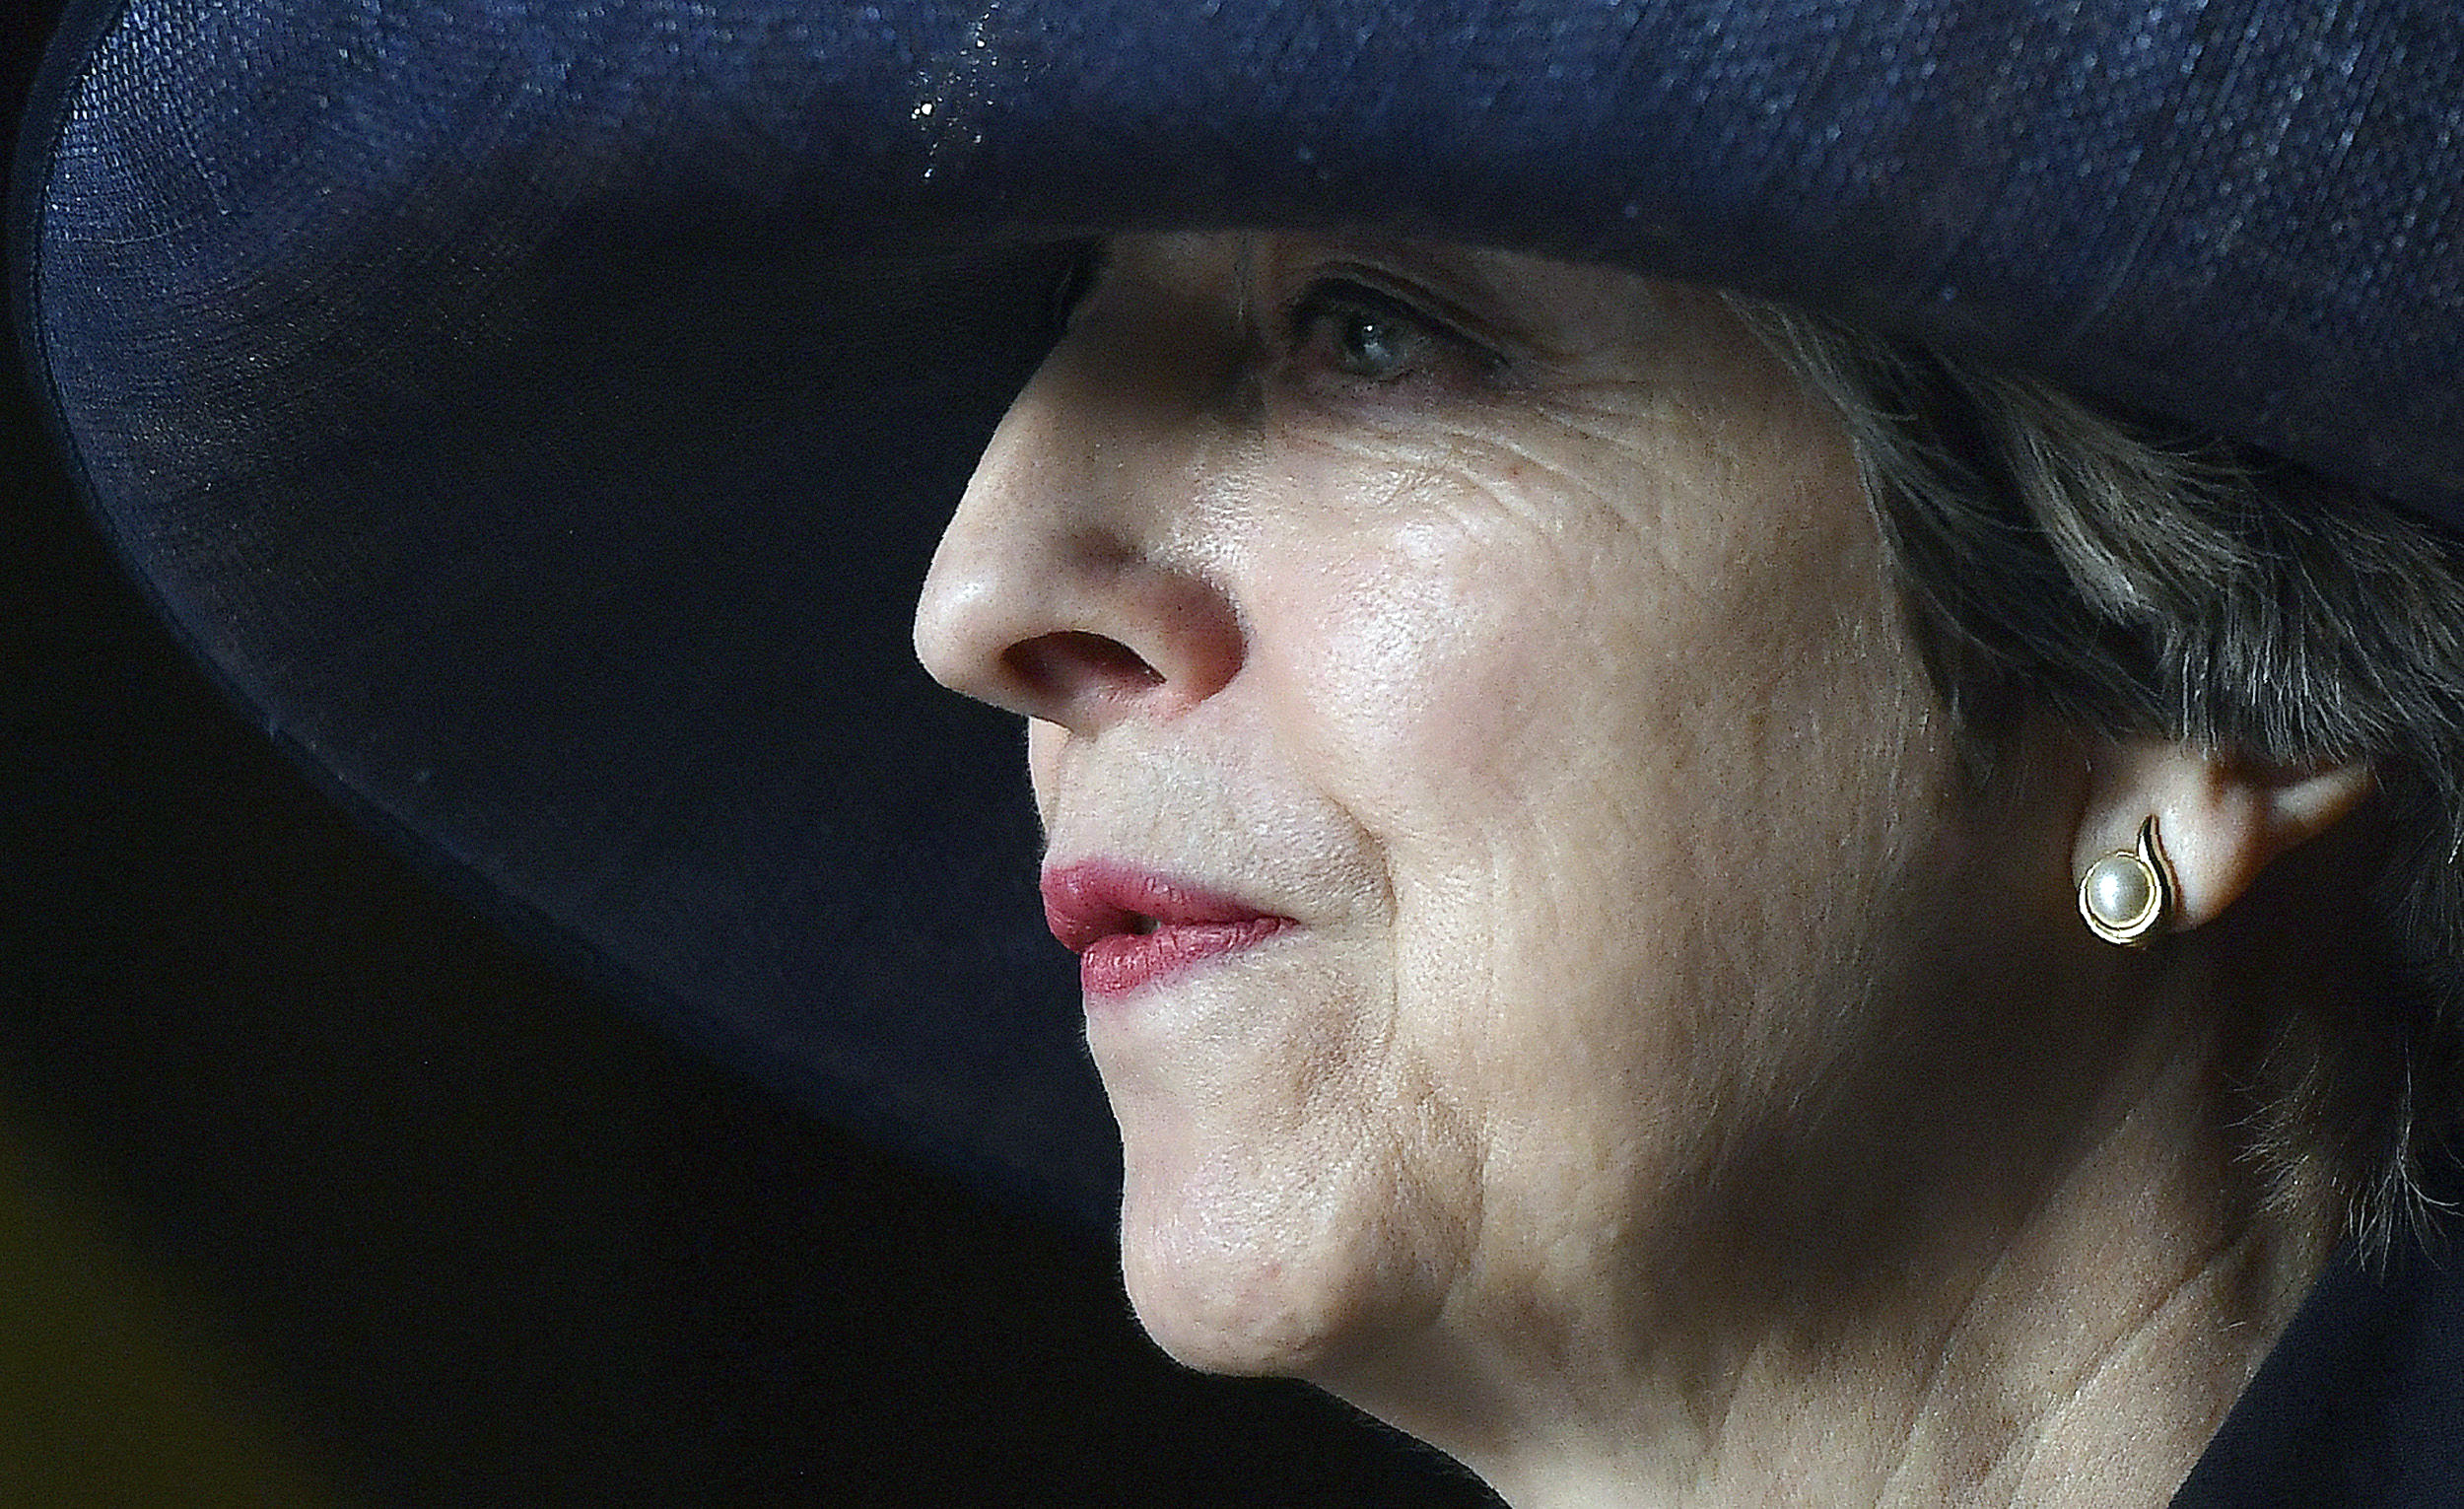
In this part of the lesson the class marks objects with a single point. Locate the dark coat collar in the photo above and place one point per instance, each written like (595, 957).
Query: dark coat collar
(2361, 1406)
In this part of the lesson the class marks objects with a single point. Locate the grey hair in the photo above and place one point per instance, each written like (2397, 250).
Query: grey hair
(2132, 579)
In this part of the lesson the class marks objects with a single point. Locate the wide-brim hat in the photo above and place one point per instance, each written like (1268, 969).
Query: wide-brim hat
(539, 416)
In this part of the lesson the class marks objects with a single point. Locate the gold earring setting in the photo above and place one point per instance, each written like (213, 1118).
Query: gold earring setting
(2124, 897)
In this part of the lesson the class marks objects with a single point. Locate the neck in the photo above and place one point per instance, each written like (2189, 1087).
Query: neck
(2073, 1337)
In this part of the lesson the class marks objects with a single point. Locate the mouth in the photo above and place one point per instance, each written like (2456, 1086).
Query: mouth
(1130, 927)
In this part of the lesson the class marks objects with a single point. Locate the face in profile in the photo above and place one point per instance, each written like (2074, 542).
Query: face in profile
(1524, 887)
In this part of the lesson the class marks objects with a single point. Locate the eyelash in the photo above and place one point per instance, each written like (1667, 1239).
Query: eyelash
(1346, 315)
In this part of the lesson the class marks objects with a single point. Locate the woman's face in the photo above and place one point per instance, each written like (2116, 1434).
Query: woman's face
(1475, 737)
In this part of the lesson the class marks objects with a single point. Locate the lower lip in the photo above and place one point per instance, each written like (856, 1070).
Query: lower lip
(1115, 966)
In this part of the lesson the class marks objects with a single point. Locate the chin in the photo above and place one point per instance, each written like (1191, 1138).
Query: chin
(1246, 1328)
(1234, 1274)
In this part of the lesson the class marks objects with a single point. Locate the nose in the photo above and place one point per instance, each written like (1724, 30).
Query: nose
(1053, 593)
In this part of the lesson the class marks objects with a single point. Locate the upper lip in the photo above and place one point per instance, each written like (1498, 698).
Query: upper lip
(1092, 900)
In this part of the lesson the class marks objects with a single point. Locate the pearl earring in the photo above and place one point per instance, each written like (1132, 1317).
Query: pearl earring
(2125, 895)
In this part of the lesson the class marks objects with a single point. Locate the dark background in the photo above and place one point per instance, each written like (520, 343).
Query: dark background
(313, 1189)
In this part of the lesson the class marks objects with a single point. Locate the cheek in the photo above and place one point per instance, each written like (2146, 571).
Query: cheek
(1413, 671)
(1628, 766)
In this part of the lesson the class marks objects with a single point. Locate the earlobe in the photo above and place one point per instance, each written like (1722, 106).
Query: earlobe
(2214, 824)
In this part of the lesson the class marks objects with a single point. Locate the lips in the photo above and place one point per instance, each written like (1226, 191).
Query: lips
(1130, 927)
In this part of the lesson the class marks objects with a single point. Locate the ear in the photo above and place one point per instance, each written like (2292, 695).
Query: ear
(2219, 820)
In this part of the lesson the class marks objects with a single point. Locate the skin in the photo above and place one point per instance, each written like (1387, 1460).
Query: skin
(1679, 1085)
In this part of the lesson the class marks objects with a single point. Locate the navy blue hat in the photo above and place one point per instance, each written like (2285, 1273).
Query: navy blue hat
(539, 416)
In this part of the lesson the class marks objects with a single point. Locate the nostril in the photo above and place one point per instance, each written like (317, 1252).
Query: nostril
(1071, 662)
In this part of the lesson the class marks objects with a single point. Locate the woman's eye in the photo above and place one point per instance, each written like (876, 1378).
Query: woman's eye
(1360, 333)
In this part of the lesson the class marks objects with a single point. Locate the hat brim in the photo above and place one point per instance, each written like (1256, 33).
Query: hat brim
(540, 418)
